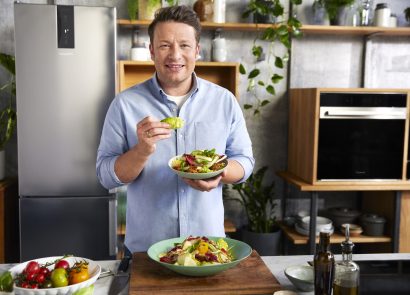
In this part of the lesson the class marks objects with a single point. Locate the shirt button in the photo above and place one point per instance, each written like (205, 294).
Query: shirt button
(182, 191)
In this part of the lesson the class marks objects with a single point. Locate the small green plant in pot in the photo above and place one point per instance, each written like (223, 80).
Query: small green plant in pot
(275, 36)
(407, 14)
(8, 117)
(258, 200)
(333, 8)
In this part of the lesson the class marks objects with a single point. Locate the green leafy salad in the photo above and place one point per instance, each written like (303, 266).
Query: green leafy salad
(197, 251)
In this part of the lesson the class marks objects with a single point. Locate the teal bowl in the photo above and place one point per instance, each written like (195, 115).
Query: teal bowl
(239, 250)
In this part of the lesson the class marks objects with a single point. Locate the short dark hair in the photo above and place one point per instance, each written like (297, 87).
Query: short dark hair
(180, 14)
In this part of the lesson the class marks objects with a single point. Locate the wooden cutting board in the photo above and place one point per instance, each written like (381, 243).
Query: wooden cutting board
(251, 276)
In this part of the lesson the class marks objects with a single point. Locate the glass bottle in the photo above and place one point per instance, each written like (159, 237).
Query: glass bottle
(365, 13)
(347, 275)
(324, 266)
(352, 16)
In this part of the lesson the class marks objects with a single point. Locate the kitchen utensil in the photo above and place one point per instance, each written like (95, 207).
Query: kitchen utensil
(239, 250)
(305, 232)
(373, 224)
(341, 215)
(250, 276)
(322, 223)
(121, 278)
(301, 276)
(94, 270)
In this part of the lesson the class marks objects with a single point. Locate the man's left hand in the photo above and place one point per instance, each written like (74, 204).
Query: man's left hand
(205, 185)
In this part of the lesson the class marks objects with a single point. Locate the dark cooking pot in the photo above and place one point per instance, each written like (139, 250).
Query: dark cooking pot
(342, 215)
(373, 224)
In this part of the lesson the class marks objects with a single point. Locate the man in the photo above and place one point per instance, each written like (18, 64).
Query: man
(135, 146)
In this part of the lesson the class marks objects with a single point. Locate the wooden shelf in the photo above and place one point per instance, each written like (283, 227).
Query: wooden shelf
(308, 29)
(345, 185)
(336, 238)
(225, 74)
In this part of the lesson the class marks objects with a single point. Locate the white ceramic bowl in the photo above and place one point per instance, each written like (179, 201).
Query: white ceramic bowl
(196, 175)
(322, 223)
(305, 232)
(93, 268)
(301, 276)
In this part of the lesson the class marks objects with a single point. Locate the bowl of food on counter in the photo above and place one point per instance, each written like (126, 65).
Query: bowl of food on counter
(54, 275)
(199, 256)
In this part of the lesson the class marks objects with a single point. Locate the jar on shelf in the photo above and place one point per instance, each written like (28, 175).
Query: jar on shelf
(393, 20)
(205, 10)
(382, 15)
(219, 11)
(219, 52)
(147, 9)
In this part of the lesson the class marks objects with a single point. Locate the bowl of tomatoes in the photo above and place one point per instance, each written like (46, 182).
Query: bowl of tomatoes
(57, 275)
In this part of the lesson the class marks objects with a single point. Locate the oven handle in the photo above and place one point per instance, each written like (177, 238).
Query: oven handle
(379, 113)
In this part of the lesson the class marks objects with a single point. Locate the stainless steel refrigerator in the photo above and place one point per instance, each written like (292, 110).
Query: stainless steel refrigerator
(65, 77)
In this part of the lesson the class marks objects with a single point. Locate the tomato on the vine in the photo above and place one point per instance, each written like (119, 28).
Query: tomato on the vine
(45, 271)
(62, 264)
(59, 277)
(32, 267)
(78, 273)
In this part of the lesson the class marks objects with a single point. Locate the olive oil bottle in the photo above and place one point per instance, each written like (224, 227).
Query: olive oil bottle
(347, 276)
(324, 266)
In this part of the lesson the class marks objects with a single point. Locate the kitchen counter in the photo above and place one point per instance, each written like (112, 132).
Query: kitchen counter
(276, 264)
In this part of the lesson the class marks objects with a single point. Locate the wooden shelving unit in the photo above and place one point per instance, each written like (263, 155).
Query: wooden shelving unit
(336, 238)
(225, 74)
(308, 29)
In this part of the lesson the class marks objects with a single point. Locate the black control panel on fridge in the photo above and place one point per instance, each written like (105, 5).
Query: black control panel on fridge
(65, 26)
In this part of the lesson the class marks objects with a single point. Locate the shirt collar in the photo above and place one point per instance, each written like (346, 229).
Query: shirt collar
(158, 89)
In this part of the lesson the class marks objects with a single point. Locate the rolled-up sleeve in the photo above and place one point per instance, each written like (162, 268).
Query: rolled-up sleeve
(239, 144)
(112, 145)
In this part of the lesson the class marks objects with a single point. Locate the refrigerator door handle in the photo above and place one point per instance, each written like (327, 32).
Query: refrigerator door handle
(112, 227)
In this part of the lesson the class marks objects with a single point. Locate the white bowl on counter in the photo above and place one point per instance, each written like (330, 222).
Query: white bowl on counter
(322, 223)
(301, 276)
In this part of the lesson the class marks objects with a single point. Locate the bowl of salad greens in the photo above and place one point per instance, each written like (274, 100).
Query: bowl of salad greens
(199, 256)
(199, 164)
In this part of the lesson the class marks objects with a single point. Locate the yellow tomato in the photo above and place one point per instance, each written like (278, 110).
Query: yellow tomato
(203, 247)
(78, 273)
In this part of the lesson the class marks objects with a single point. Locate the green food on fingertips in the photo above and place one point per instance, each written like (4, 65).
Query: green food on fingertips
(174, 122)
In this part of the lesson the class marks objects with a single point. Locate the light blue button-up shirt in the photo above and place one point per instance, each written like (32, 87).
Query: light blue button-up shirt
(160, 205)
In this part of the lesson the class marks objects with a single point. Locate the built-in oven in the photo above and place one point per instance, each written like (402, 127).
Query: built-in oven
(361, 136)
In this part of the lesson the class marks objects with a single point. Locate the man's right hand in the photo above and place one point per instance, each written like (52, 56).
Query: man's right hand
(149, 131)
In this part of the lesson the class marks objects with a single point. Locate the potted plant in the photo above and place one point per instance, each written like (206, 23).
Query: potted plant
(8, 117)
(257, 198)
(281, 32)
(335, 9)
(407, 14)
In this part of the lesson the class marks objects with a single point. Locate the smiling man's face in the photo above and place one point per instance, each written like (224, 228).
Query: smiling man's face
(174, 51)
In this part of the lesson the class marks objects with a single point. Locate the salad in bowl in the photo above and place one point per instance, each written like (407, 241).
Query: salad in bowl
(199, 256)
(199, 164)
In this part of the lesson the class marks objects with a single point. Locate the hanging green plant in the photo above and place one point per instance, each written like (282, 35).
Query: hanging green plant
(281, 32)
(8, 117)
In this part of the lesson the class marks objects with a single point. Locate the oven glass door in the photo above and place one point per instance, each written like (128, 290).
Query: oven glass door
(360, 149)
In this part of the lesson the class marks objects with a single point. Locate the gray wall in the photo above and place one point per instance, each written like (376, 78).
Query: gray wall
(325, 61)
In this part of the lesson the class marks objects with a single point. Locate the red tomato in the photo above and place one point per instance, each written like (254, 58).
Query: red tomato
(32, 267)
(40, 278)
(25, 285)
(45, 271)
(62, 264)
(30, 276)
